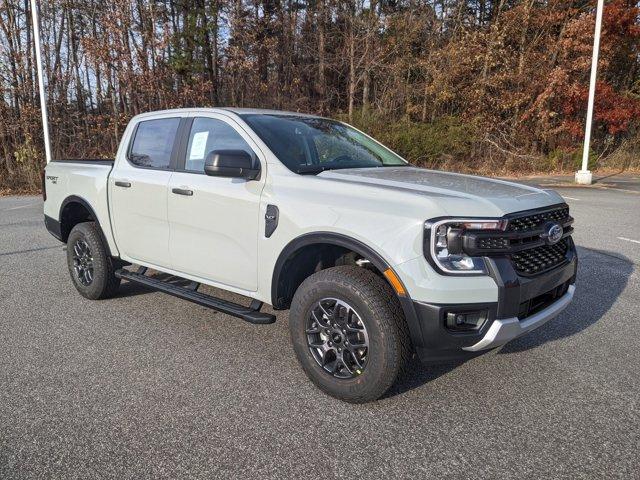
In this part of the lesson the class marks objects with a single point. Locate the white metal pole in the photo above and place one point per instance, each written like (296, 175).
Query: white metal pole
(43, 95)
(583, 176)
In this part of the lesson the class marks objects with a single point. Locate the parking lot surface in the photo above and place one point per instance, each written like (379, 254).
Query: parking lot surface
(149, 386)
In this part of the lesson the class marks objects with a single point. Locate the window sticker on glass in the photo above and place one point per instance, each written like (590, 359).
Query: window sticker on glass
(198, 145)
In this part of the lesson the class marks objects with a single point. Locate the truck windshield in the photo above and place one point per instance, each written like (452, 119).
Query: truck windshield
(309, 145)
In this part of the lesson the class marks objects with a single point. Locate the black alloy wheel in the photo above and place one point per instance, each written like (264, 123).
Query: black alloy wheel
(348, 333)
(337, 338)
(91, 267)
(82, 262)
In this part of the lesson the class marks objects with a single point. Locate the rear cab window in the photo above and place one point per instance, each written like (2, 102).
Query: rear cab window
(153, 143)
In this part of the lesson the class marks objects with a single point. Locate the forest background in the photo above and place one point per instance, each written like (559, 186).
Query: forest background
(494, 87)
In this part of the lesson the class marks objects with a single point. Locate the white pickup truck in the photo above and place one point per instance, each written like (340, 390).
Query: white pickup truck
(376, 260)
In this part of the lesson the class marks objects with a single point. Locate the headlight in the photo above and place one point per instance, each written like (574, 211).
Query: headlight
(444, 244)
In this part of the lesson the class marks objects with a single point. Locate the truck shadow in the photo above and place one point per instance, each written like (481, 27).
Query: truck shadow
(128, 289)
(417, 375)
(602, 277)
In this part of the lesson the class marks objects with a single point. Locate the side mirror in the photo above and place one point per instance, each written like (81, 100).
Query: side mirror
(232, 163)
(140, 160)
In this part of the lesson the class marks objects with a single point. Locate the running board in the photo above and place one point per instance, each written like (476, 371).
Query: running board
(250, 314)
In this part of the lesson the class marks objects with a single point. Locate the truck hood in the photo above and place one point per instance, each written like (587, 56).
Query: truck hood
(461, 194)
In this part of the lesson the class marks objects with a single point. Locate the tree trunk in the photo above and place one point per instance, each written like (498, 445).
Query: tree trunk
(495, 29)
(352, 72)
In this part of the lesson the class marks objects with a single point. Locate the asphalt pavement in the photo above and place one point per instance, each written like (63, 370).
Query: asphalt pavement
(148, 386)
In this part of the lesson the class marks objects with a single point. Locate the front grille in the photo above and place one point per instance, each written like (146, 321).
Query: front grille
(493, 243)
(531, 222)
(524, 241)
(540, 259)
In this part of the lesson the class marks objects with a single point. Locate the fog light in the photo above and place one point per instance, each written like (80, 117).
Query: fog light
(466, 321)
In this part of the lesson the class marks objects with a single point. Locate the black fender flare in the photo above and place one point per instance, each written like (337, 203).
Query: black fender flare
(87, 205)
(359, 247)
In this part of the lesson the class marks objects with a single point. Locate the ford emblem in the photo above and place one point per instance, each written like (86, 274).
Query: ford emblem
(552, 233)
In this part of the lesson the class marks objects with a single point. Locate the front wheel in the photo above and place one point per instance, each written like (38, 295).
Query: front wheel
(348, 332)
(90, 266)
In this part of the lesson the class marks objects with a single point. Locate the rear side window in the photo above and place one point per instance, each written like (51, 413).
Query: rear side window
(207, 135)
(153, 143)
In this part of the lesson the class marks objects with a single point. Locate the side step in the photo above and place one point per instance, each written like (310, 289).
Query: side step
(250, 314)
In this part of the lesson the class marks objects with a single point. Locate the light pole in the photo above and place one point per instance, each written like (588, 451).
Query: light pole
(583, 176)
(43, 95)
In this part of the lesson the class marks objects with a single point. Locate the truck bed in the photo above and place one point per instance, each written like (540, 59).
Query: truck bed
(82, 181)
(96, 161)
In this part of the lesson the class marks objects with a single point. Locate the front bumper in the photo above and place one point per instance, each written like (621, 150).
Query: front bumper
(523, 304)
(505, 330)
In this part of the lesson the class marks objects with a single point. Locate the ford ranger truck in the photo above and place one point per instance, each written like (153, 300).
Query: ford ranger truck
(376, 260)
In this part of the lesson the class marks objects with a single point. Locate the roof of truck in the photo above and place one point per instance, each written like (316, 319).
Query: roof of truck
(264, 111)
(237, 111)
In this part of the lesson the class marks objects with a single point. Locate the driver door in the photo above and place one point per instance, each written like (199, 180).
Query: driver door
(214, 221)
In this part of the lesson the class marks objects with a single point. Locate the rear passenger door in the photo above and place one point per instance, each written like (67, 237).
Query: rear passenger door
(214, 221)
(138, 191)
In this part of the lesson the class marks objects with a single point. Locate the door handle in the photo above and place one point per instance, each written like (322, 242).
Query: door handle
(182, 191)
(123, 184)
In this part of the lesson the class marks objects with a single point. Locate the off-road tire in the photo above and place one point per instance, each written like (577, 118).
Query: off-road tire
(380, 311)
(104, 284)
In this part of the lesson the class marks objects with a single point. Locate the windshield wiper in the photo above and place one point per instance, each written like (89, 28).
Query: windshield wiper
(311, 169)
(315, 169)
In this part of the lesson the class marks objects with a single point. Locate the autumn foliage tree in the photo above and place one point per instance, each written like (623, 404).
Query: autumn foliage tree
(491, 86)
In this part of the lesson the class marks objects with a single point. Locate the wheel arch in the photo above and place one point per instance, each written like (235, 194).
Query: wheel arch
(320, 239)
(75, 210)
(285, 280)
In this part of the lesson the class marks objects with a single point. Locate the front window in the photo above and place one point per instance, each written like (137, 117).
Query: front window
(207, 135)
(312, 145)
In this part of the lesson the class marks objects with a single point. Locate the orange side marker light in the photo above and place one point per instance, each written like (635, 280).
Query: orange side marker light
(395, 282)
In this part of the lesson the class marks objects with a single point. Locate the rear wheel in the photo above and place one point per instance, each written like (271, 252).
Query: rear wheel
(348, 333)
(90, 265)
